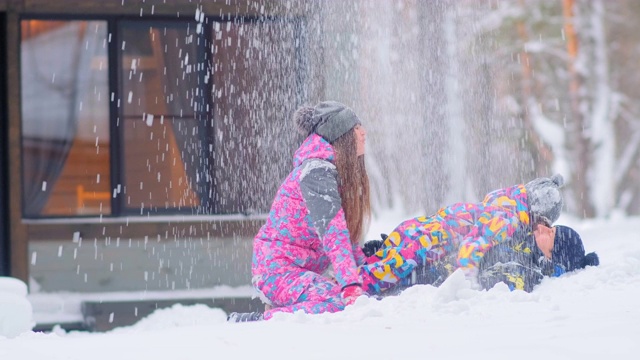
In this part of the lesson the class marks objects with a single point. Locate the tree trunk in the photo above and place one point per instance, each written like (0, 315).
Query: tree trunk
(577, 136)
(542, 153)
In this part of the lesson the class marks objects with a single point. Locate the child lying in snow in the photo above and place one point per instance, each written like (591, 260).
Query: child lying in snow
(507, 238)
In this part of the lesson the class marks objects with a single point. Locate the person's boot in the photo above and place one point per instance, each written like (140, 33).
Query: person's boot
(245, 317)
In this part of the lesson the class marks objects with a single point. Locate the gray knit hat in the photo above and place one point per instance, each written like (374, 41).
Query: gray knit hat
(329, 119)
(544, 198)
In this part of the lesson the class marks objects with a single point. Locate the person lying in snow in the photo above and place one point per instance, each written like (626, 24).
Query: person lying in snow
(507, 238)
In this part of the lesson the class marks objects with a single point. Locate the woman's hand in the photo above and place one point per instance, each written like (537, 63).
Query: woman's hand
(352, 292)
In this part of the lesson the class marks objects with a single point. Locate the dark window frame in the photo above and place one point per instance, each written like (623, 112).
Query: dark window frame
(5, 258)
(114, 58)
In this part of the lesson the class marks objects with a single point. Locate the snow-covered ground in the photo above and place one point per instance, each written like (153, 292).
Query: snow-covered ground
(591, 314)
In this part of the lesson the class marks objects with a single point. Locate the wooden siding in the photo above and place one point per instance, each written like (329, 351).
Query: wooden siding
(4, 205)
(17, 230)
(141, 256)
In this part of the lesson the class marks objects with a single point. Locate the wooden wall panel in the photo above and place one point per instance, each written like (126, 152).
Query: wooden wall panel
(139, 263)
(141, 256)
(4, 165)
(17, 230)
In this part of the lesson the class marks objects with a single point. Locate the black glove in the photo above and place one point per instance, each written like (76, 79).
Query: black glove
(371, 246)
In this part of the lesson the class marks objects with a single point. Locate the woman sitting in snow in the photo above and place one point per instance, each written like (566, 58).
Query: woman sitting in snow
(507, 238)
(316, 219)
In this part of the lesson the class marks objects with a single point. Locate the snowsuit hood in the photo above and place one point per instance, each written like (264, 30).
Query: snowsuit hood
(314, 147)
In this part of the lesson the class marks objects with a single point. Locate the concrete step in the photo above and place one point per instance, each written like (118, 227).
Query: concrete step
(105, 316)
(100, 316)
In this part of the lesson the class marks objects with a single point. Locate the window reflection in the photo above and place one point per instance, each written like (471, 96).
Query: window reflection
(65, 118)
(166, 163)
(255, 92)
(198, 123)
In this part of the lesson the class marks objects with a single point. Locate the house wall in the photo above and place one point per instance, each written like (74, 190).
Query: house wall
(4, 165)
(100, 254)
(17, 230)
(166, 254)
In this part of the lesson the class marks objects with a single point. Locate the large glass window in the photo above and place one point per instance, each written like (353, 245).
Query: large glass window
(166, 161)
(65, 118)
(141, 117)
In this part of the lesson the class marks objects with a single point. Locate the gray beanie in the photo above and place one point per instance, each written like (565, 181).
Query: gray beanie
(545, 200)
(329, 119)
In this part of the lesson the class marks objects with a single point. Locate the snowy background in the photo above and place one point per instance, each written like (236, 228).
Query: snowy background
(494, 87)
(589, 314)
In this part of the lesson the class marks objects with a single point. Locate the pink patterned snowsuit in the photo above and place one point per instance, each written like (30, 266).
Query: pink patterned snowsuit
(304, 235)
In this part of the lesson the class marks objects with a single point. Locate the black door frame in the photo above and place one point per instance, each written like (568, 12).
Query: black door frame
(5, 258)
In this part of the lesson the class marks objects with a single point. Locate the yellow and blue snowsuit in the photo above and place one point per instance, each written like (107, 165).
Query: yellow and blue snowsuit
(517, 263)
(427, 249)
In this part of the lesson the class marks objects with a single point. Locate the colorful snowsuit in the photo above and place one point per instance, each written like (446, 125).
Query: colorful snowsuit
(304, 234)
(427, 250)
(518, 263)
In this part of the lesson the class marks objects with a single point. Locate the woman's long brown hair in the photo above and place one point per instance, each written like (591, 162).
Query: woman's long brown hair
(353, 185)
